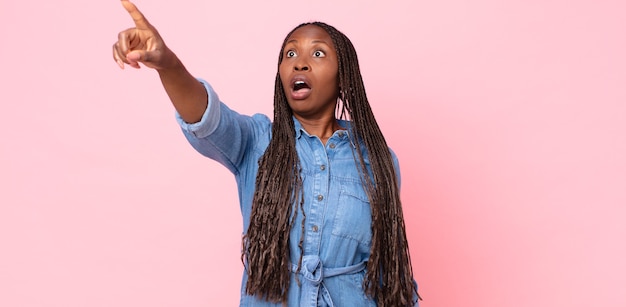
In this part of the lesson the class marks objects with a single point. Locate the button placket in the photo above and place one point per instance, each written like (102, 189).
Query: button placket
(317, 207)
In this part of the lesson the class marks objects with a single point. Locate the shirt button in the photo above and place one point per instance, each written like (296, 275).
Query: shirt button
(322, 167)
(341, 134)
(314, 228)
(332, 145)
(320, 197)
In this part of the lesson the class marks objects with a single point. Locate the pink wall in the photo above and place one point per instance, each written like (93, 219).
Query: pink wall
(509, 118)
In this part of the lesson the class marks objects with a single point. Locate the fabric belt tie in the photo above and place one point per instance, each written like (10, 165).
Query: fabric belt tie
(313, 273)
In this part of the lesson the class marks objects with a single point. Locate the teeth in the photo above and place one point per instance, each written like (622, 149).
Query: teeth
(298, 85)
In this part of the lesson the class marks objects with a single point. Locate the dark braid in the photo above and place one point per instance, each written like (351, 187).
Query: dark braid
(278, 186)
(389, 277)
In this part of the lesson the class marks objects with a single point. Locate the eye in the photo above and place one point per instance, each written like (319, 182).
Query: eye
(319, 54)
(290, 54)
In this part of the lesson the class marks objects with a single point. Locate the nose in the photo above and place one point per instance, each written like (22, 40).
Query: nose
(301, 66)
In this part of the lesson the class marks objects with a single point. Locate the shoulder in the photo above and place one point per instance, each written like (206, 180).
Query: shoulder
(394, 157)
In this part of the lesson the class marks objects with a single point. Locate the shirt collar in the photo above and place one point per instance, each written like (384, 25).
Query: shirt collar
(343, 123)
(298, 127)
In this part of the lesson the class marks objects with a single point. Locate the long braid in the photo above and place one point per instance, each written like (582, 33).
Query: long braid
(389, 277)
(279, 186)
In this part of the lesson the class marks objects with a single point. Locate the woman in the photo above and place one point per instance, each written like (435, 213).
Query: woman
(318, 186)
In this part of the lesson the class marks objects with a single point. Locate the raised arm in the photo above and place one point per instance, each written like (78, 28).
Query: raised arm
(143, 44)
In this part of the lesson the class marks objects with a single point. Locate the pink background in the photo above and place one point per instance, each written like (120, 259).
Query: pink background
(509, 119)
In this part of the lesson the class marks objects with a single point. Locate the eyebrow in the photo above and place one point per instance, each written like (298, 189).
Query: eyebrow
(317, 41)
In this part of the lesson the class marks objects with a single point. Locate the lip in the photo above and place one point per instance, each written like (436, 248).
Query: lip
(303, 93)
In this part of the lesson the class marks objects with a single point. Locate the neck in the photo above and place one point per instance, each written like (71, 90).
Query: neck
(323, 128)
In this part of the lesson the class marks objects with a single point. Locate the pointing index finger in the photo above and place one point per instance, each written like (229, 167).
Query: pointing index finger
(140, 21)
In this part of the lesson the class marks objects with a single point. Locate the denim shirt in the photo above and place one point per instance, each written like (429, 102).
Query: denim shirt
(337, 230)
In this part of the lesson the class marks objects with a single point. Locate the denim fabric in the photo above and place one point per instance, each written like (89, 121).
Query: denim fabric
(337, 232)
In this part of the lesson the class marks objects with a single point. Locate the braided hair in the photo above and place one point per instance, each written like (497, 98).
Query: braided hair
(279, 196)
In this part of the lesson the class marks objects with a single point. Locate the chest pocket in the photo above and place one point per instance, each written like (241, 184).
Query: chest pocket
(353, 218)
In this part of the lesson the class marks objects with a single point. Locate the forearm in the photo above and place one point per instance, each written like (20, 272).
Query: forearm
(187, 94)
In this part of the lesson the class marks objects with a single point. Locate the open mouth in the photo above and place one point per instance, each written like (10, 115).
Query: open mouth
(299, 85)
(300, 88)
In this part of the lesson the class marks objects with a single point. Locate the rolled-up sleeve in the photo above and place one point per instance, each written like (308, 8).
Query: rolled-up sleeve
(223, 134)
(210, 118)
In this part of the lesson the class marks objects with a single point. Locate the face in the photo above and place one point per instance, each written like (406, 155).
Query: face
(308, 72)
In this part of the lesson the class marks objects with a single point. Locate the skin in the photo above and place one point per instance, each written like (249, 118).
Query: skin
(312, 57)
(143, 44)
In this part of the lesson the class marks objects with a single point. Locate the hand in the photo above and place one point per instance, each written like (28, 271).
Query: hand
(141, 44)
